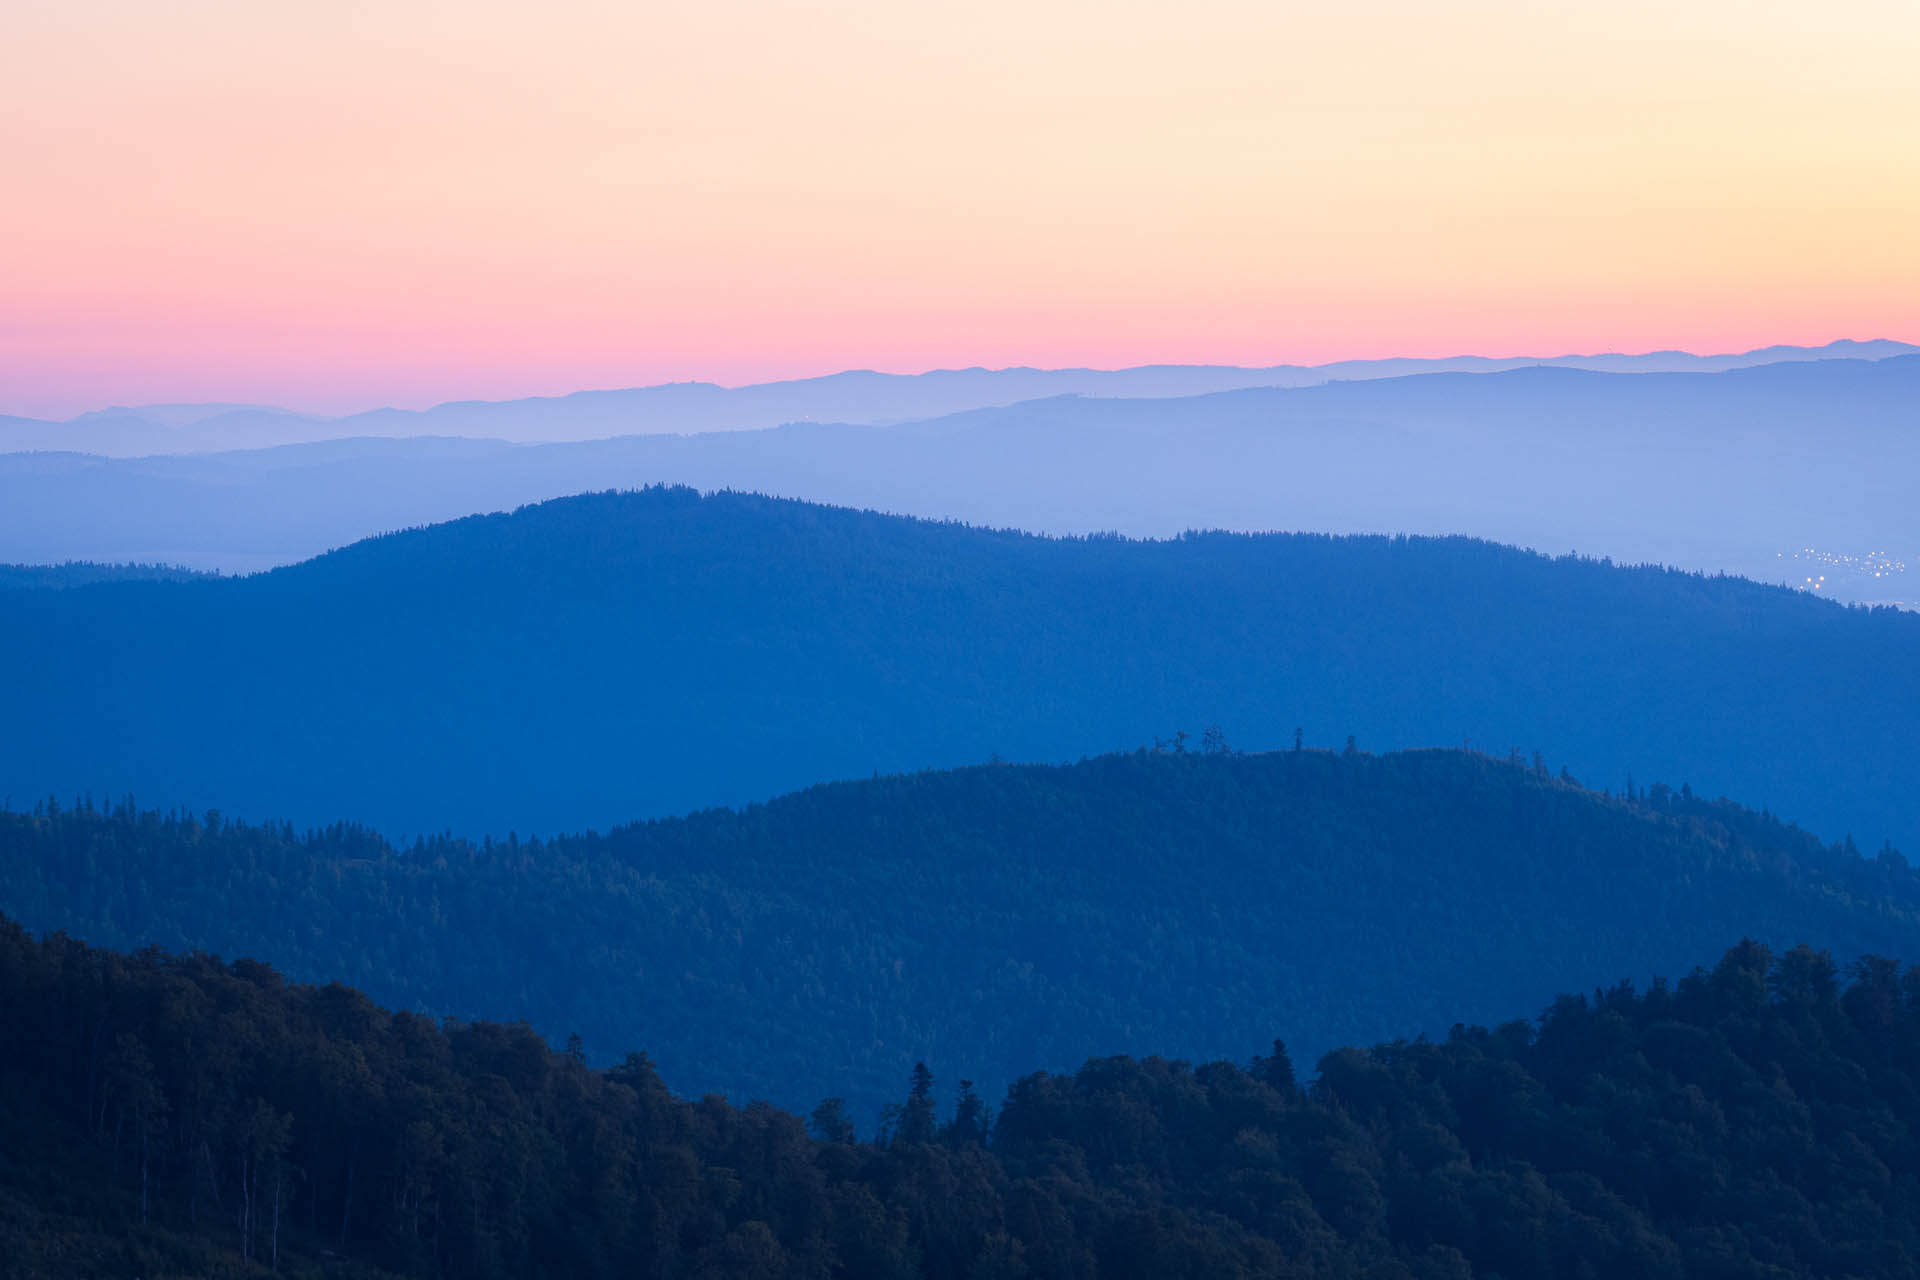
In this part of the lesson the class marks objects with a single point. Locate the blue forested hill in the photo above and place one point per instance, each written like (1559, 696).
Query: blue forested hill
(600, 658)
(996, 919)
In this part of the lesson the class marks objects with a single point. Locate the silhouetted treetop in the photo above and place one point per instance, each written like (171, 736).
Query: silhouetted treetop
(171, 1115)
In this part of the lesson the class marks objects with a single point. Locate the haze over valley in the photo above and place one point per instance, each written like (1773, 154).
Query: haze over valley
(1725, 472)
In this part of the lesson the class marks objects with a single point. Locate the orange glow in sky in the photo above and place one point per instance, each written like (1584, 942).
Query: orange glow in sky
(337, 205)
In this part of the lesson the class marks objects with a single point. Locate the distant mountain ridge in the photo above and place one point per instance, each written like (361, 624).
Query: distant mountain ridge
(177, 415)
(611, 656)
(854, 396)
(1734, 471)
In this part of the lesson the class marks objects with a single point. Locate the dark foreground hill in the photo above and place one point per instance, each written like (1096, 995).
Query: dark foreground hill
(996, 919)
(163, 1116)
(613, 656)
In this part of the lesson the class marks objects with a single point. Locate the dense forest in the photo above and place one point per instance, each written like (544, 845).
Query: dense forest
(173, 1116)
(615, 656)
(1185, 900)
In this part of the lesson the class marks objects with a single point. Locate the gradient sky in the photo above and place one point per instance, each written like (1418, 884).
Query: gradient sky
(334, 205)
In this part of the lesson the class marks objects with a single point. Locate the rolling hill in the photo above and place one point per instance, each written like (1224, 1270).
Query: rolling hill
(996, 919)
(602, 658)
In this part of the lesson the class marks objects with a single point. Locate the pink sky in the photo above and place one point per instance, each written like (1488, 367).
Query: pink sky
(332, 207)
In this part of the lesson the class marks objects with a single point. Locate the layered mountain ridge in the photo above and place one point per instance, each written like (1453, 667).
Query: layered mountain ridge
(1787, 472)
(852, 396)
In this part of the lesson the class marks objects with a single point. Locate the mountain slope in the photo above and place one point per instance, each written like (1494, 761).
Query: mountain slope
(994, 919)
(596, 659)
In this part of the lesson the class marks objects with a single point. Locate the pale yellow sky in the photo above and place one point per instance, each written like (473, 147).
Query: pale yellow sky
(334, 205)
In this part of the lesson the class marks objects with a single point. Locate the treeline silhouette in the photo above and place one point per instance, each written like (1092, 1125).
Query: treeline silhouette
(611, 656)
(83, 573)
(172, 1115)
(1184, 900)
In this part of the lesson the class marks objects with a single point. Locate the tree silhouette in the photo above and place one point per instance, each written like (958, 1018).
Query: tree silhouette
(917, 1123)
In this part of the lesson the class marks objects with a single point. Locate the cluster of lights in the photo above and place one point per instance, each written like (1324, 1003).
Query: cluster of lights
(1874, 564)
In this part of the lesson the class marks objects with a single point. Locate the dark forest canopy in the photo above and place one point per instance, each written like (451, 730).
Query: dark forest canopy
(995, 919)
(166, 1115)
(605, 657)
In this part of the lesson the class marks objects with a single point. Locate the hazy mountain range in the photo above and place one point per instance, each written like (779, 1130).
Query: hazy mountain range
(1738, 471)
(859, 396)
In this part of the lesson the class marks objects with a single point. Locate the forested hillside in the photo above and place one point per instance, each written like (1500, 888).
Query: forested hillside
(614, 656)
(174, 1116)
(996, 920)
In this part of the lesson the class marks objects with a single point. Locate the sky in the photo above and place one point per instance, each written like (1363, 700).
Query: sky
(331, 205)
